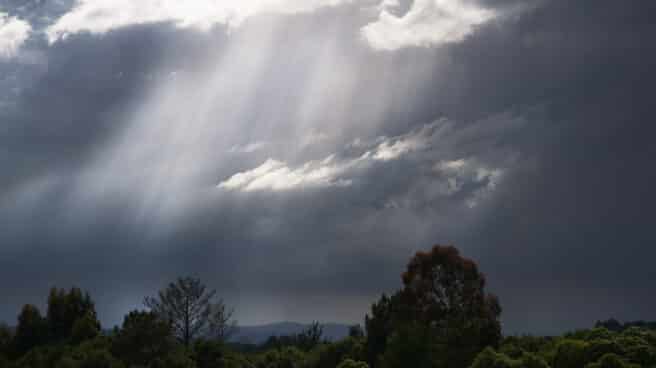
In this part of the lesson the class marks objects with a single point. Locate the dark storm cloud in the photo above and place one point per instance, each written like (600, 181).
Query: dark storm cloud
(557, 95)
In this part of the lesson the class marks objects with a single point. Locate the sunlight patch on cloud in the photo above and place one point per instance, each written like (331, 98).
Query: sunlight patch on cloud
(101, 16)
(278, 176)
(427, 23)
(461, 172)
(13, 33)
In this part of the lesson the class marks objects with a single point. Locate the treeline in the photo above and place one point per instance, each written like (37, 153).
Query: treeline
(441, 317)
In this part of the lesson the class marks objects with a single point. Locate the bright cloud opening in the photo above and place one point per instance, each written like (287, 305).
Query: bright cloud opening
(427, 23)
(13, 33)
(101, 16)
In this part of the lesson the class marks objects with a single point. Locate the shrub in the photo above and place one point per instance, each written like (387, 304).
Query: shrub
(570, 354)
(350, 363)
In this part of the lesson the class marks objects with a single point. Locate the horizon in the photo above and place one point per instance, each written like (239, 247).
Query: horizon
(294, 155)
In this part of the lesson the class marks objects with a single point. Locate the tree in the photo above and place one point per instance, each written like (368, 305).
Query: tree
(356, 331)
(142, 338)
(220, 324)
(570, 354)
(31, 331)
(6, 335)
(310, 337)
(65, 308)
(190, 308)
(410, 345)
(379, 328)
(445, 293)
(85, 328)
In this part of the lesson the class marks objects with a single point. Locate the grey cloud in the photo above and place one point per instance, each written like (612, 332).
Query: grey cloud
(558, 96)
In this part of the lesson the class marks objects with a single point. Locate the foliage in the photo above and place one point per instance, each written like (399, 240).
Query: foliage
(329, 355)
(6, 336)
(85, 328)
(65, 308)
(356, 331)
(441, 318)
(143, 337)
(570, 354)
(32, 330)
(444, 292)
(287, 357)
(611, 361)
(306, 340)
(350, 363)
(191, 310)
(208, 354)
(413, 346)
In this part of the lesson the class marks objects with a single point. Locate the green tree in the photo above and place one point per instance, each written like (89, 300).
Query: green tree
(142, 338)
(65, 308)
(85, 328)
(191, 309)
(570, 354)
(611, 361)
(445, 293)
(310, 337)
(379, 327)
(208, 354)
(6, 335)
(356, 331)
(410, 345)
(178, 358)
(221, 325)
(32, 330)
(488, 358)
(329, 355)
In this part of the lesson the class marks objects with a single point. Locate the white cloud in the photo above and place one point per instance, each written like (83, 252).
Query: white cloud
(460, 172)
(13, 33)
(427, 23)
(278, 176)
(390, 149)
(101, 16)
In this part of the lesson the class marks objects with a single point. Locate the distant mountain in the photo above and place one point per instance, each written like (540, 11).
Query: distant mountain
(259, 334)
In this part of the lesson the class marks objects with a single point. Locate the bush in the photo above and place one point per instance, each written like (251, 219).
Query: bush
(85, 328)
(530, 360)
(331, 354)
(570, 354)
(350, 363)
(600, 347)
(611, 361)
(489, 358)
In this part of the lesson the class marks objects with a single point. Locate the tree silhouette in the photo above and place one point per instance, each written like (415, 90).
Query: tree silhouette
(31, 331)
(189, 307)
(65, 308)
(142, 338)
(446, 292)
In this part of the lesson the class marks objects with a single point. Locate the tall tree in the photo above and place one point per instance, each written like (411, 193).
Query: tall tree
(445, 293)
(65, 308)
(31, 331)
(190, 307)
(221, 324)
(310, 337)
(142, 338)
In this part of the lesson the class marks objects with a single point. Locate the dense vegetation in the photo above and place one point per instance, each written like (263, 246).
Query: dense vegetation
(441, 317)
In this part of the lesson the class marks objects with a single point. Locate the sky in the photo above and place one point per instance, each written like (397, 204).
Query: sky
(294, 154)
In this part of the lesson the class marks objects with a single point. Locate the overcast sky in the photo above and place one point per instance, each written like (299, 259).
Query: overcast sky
(294, 154)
